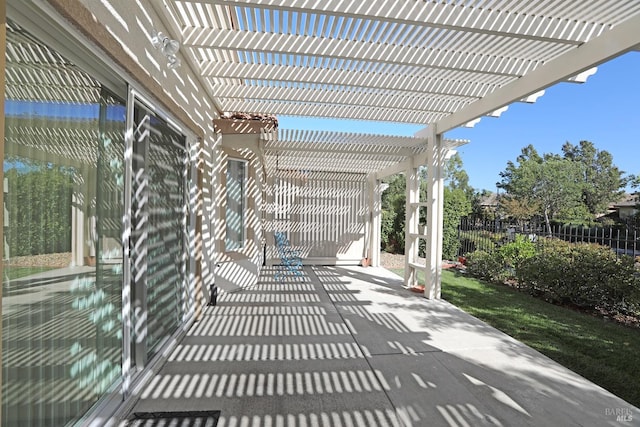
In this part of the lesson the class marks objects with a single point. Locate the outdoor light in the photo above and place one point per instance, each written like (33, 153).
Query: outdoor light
(173, 61)
(167, 46)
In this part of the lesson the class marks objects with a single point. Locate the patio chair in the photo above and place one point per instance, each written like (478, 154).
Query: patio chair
(290, 260)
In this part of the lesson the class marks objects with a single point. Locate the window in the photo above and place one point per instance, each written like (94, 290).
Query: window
(236, 200)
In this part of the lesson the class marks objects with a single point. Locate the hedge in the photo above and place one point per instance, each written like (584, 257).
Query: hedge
(581, 274)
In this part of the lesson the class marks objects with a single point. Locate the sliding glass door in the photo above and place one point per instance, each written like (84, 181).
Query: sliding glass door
(159, 221)
(62, 249)
(86, 296)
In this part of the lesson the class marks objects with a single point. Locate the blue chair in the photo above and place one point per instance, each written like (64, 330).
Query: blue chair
(290, 260)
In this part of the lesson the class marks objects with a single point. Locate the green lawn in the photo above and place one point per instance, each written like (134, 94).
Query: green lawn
(605, 352)
(18, 272)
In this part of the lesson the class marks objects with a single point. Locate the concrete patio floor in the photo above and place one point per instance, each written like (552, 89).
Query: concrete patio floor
(350, 347)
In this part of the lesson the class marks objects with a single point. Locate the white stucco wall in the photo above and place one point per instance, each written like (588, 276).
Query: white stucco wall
(323, 214)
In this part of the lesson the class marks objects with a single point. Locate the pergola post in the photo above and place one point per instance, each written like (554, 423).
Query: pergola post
(376, 188)
(368, 221)
(435, 207)
(270, 217)
(411, 226)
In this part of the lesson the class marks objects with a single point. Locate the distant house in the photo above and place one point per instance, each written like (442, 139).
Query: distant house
(489, 202)
(627, 206)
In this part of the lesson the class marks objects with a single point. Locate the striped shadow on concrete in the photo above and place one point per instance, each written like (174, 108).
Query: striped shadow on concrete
(174, 419)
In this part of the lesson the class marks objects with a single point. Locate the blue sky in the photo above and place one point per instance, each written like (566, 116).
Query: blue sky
(605, 110)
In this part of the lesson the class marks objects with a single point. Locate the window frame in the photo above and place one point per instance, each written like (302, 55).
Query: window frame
(241, 244)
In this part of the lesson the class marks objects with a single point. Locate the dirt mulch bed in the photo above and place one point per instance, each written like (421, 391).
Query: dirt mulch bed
(391, 261)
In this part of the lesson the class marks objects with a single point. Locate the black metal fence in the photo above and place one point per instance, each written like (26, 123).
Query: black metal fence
(482, 234)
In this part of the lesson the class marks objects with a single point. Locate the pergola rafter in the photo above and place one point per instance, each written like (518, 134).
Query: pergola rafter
(621, 39)
(514, 19)
(446, 56)
(428, 85)
(427, 58)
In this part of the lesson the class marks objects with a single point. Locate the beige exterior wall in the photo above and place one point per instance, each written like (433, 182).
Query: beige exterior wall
(239, 268)
(627, 211)
(324, 215)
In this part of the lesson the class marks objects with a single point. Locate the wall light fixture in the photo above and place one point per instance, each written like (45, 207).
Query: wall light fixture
(167, 46)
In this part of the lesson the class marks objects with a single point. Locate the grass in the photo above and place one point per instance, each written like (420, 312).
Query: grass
(18, 272)
(602, 351)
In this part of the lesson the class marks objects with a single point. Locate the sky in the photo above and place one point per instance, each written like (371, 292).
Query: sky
(605, 110)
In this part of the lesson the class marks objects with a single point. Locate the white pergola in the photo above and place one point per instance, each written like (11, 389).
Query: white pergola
(441, 64)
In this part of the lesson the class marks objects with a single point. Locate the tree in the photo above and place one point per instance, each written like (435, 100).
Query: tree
(393, 215)
(519, 209)
(39, 208)
(553, 182)
(456, 205)
(455, 177)
(602, 181)
(557, 187)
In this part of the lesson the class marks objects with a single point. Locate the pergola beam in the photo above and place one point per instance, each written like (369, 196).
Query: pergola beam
(446, 16)
(620, 39)
(396, 82)
(477, 63)
(336, 111)
(359, 150)
(418, 102)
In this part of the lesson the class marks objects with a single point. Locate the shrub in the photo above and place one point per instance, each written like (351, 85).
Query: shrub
(545, 273)
(585, 275)
(486, 265)
(512, 254)
(601, 280)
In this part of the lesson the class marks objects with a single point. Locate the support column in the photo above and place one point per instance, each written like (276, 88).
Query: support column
(269, 228)
(375, 222)
(367, 221)
(411, 227)
(435, 192)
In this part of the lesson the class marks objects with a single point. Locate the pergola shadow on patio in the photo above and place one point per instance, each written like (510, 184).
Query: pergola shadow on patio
(171, 195)
(349, 346)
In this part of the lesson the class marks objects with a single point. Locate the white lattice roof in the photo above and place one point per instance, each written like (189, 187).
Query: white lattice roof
(415, 61)
(291, 149)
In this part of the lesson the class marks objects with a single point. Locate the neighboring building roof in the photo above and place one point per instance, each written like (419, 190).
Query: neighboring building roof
(628, 200)
(490, 200)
